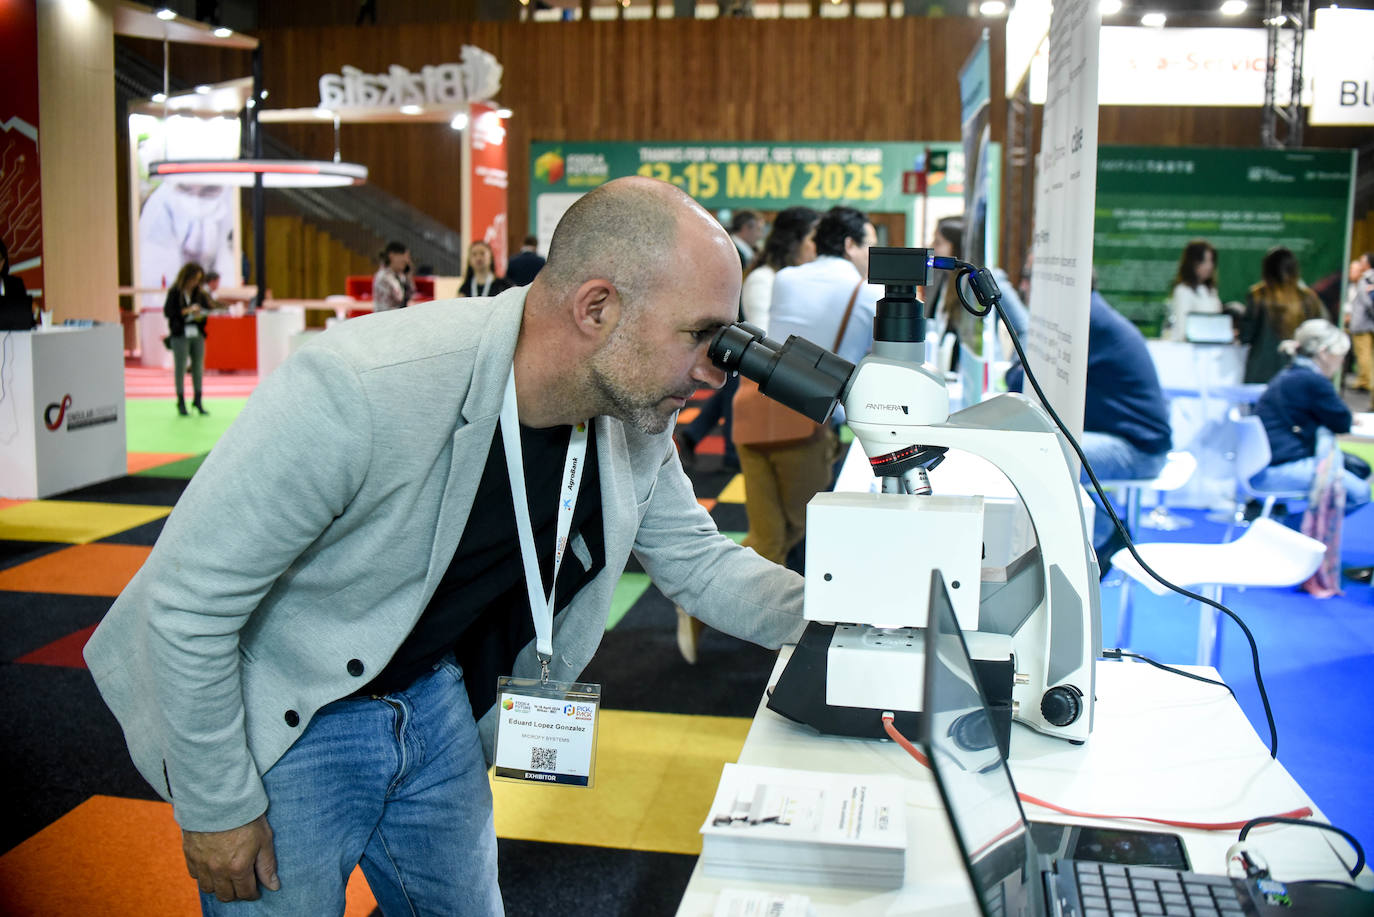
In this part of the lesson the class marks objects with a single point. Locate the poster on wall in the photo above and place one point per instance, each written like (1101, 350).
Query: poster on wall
(488, 177)
(1065, 185)
(181, 221)
(1152, 201)
(760, 176)
(21, 204)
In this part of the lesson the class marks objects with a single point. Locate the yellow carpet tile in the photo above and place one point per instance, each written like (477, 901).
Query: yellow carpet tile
(72, 521)
(87, 569)
(116, 858)
(732, 492)
(656, 774)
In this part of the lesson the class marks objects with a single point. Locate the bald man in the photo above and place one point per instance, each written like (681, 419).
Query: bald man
(307, 663)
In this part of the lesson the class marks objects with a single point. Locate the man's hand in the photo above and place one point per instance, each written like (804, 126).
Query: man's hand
(230, 864)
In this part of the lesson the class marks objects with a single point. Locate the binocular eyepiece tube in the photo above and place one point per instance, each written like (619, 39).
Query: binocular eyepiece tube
(806, 378)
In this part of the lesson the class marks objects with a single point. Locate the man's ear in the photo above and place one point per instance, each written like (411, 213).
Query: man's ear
(596, 308)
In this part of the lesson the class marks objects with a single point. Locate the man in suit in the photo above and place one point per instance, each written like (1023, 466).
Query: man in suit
(306, 665)
(521, 269)
(746, 231)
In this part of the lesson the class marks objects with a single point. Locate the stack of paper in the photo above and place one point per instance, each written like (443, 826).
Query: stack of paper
(771, 824)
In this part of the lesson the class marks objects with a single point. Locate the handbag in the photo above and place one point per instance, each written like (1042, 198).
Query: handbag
(1356, 465)
(761, 421)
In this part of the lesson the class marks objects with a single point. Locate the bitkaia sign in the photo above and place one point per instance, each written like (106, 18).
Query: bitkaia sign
(476, 79)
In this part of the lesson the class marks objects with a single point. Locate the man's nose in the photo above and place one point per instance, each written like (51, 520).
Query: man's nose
(706, 372)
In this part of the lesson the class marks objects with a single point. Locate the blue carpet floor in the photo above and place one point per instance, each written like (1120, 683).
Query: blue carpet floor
(1316, 656)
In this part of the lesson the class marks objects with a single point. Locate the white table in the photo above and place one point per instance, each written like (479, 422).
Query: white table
(62, 422)
(1162, 746)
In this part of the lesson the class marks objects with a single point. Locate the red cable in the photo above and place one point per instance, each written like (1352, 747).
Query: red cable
(1035, 801)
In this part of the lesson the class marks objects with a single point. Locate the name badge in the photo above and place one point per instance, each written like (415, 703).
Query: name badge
(546, 731)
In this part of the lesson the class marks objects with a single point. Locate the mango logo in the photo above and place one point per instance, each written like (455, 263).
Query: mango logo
(549, 167)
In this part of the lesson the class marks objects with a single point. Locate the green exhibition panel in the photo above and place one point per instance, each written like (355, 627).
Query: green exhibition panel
(1152, 200)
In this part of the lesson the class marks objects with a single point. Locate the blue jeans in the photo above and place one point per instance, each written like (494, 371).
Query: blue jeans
(1114, 459)
(398, 784)
(1299, 476)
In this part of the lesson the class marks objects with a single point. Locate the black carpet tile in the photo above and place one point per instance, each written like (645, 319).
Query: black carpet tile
(60, 745)
(32, 620)
(14, 553)
(539, 880)
(144, 535)
(731, 517)
(136, 489)
(639, 667)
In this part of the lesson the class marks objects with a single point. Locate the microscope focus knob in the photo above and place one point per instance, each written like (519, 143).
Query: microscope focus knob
(1062, 705)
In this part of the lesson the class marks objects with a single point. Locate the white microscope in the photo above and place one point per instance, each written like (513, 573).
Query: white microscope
(1032, 622)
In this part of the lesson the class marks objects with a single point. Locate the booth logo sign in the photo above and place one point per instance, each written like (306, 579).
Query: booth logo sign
(58, 412)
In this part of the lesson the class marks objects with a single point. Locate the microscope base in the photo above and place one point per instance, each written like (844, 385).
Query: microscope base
(800, 694)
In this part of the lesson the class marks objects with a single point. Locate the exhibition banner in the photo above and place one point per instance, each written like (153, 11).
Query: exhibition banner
(176, 222)
(21, 204)
(1204, 67)
(1341, 61)
(975, 103)
(759, 176)
(1065, 183)
(488, 179)
(1151, 201)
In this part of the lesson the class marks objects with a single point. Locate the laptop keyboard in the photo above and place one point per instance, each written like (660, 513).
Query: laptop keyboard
(1106, 890)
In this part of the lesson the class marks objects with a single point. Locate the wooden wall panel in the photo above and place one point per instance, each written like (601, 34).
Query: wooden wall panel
(677, 79)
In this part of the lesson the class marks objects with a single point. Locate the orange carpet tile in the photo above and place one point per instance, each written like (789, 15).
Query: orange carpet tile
(84, 569)
(116, 858)
(142, 461)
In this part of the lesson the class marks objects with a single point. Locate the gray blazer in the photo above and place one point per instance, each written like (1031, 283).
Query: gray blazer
(308, 544)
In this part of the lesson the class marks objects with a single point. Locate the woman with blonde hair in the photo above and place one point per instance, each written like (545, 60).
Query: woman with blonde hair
(1274, 308)
(1299, 401)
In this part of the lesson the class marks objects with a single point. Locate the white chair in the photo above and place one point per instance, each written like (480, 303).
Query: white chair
(1176, 472)
(1267, 554)
(1252, 457)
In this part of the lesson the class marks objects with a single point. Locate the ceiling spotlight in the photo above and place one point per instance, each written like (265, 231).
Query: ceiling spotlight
(1234, 7)
(411, 109)
(459, 122)
(992, 7)
(1153, 20)
(222, 32)
(503, 113)
(159, 97)
(165, 14)
(1110, 7)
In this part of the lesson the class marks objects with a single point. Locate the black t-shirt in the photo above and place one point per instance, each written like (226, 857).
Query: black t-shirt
(480, 610)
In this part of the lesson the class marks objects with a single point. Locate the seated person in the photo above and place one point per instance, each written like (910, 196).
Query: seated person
(1126, 433)
(1300, 399)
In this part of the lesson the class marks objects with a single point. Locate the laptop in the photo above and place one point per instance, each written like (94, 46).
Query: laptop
(1208, 328)
(1013, 874)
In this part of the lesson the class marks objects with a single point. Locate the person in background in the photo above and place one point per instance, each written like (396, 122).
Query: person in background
(522, 269)
(1359, 321)
(206, 294)
(315, 685)
(746, 230)
(1274, 308)
(391, 285)
(825, 301)
(480, 278)
(951, 323)
(791, 241)
(1300, 399)
(1195, 287)
(186, 318)
(1126, 432)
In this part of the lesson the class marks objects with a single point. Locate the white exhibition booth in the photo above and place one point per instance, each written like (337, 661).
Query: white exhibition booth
(62, 421)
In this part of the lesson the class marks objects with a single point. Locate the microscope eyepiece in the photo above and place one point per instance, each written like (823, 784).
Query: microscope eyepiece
(806, 378)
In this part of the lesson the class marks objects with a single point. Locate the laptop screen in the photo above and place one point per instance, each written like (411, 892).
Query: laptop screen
(989, 825)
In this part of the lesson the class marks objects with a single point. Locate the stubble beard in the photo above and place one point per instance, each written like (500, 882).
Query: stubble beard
(614, 400)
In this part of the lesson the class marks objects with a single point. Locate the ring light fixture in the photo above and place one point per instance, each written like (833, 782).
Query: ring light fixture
(276, 173)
